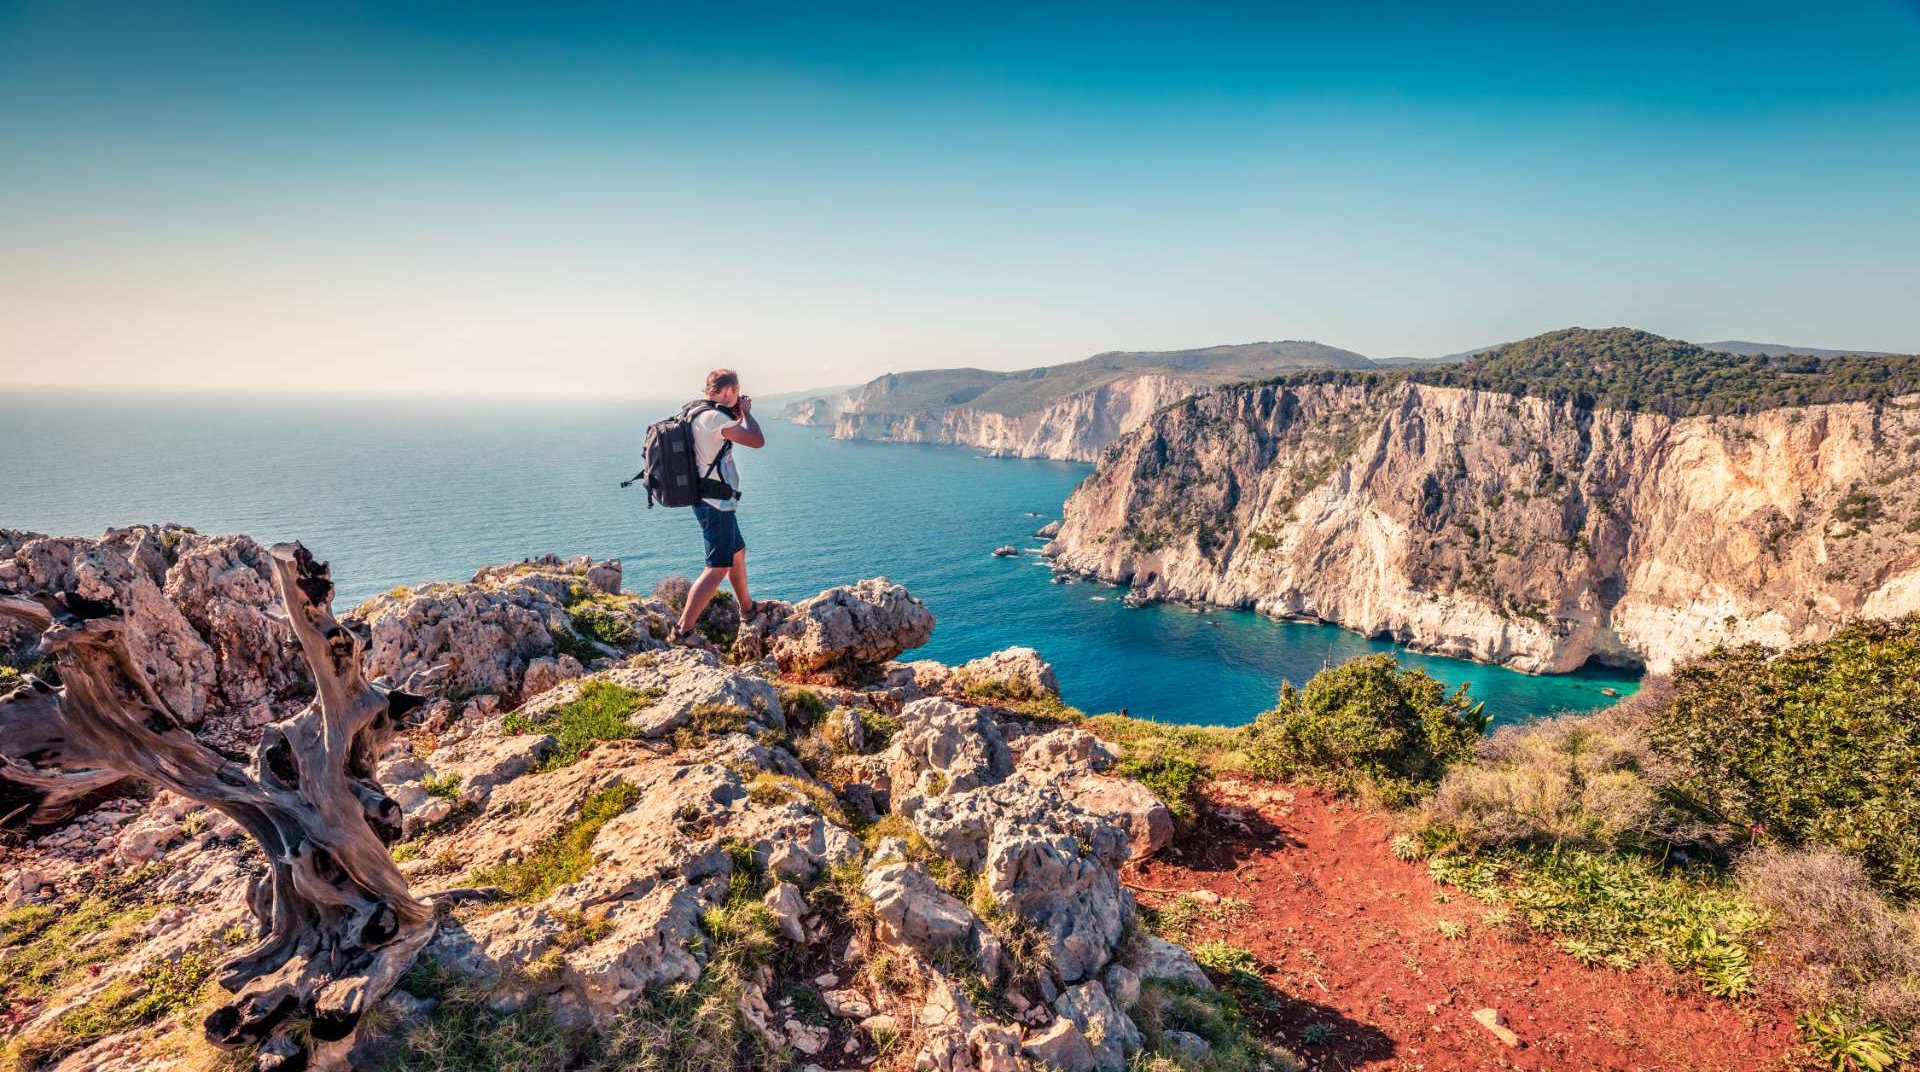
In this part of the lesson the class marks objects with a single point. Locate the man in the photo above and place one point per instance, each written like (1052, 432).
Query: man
(716, 429)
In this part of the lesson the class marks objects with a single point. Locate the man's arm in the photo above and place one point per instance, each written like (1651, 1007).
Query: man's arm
(745, 431)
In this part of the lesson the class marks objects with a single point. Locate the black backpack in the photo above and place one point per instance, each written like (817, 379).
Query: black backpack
(671, 472)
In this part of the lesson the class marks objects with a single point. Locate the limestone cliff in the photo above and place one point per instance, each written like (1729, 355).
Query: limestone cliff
(1076, 427)
(1533, 533)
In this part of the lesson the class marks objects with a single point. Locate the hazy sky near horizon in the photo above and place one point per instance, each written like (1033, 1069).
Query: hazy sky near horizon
(595, 197)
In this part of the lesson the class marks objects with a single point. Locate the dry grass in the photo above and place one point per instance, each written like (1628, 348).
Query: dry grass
(1831, 939)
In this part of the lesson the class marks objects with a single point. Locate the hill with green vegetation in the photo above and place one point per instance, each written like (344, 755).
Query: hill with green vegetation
(1015, 394)
(1624, 368)
(1777, 349)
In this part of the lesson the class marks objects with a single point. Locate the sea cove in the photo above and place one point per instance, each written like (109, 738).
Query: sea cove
(421, 490)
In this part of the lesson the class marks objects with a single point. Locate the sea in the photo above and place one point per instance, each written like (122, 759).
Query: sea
(397, 491)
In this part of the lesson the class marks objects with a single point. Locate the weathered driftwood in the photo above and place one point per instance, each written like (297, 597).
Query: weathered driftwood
(44, 774)
(338, 923)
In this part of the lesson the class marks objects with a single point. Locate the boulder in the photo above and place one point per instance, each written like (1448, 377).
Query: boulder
(1060, 1045)
(1160, 959)
(1128, 805)
(943, 748)
(1010, 674)
(787, 906)
(1110, 1031)
(1058, 884)
(846, 634)
(912, 908)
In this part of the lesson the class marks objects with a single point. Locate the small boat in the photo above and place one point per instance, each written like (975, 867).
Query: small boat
(1005, 551)
(1609, 691)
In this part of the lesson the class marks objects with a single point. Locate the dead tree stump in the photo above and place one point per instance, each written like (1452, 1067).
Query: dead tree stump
(338, 924)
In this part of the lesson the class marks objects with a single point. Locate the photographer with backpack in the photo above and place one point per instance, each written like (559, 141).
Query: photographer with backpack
(689, 462)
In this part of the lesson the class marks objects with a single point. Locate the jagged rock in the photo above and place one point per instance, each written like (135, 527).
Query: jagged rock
(1130, 806)
(806, 1038)
(912, 909)
(848, 1004)
(201, 616)
(1060, 1045)
(1123, 986)
(962, 823)
(1010, 674)
(1048, 531)
(943, 748)
(224, 587)
(845, 634)
(543, 674)
(1112, 1034)
(787, 906)
(1074, 897)
(492, 631)
(1067, 750)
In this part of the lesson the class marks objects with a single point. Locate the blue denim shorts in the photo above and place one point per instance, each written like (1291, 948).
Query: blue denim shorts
(722, 532)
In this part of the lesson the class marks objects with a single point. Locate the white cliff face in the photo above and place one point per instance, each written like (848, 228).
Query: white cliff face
(1075, 427)
(1513, 530)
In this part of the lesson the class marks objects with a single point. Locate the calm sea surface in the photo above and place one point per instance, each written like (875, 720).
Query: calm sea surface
(395, 492)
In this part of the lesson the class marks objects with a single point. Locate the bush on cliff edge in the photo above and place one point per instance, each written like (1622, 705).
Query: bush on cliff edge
(1813, 746)
(1367, 723)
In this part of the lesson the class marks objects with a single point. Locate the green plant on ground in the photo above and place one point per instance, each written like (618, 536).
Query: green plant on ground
(602, 623)
(1620, 910)
(1174, 778)
(568, 642)
(446, 786)
(1846, 1043)
(1236, 964)
(708, 721)
(1233, 1045)
(802, 705)
(1177, 920)
(1832, 940)
(162, 987)
(565, 856)
(602, 712)
(466, 1033)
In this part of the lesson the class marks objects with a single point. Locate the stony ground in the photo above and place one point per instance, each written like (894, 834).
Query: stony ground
(1358, 975)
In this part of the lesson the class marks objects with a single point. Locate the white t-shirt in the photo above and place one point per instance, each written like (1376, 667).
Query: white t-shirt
(707, 442)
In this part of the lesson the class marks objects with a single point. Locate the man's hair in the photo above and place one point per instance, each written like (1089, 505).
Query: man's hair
(720, 379)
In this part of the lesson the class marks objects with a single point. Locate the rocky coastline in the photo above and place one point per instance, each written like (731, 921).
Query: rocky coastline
(1532, 534)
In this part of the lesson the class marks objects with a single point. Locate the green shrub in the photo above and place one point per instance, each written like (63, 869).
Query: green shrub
(1367, 722)
(1816, 745)
(603, 624)
(602, 712)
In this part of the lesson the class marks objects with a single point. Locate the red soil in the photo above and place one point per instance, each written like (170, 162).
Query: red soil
(1346, 938)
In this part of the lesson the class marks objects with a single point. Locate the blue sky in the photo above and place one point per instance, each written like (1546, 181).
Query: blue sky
(601, 197)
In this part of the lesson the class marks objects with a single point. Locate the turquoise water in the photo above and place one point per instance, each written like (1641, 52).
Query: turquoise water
(397, 492)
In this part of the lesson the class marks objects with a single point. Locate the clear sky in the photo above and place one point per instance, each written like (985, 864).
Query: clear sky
(598, 197)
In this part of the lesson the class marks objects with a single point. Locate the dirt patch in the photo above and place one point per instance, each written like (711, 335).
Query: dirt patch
(1360, 974)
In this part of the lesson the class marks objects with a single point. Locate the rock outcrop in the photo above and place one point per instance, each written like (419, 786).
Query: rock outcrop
(1513, 530)
(638, 824)
(201, 616)
(845, 634)
(507, 626)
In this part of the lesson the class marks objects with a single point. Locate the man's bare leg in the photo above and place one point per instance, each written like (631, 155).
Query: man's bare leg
(701, 594)
(737, 576)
